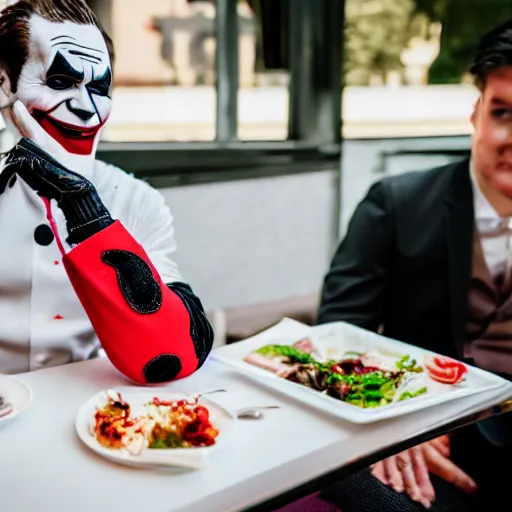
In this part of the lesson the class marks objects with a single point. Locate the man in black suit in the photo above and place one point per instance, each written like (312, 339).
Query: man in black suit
(427, 260)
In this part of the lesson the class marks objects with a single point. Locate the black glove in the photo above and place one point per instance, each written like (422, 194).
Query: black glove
(76, 196)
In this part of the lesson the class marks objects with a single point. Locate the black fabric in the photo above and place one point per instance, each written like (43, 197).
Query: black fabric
(76, 196)
(135, 279)
(163, 368)
(489, 466)
(403, 268)
(43, 235)
(497, 430)
(405, 262)
(361, 492)
(201, 330)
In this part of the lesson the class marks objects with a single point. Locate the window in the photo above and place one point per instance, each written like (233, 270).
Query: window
(406, 62)
(166, 71)
(214, 89)
(263, 97)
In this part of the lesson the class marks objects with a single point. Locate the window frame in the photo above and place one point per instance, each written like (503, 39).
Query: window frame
(314, 127)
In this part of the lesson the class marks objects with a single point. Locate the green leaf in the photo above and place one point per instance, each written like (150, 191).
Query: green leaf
(406, 394)
(409, 365)
(293, 354)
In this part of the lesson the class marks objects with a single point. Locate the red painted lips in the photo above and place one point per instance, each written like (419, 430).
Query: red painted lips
(74, 139)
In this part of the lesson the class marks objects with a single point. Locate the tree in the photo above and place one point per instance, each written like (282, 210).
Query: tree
(376, 32)
(464, 22)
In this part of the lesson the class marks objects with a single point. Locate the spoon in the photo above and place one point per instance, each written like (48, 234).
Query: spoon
(211, 392)
(254, 413)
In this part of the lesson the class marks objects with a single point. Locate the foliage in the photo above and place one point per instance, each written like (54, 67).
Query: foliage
(376, 32)
(464, 22)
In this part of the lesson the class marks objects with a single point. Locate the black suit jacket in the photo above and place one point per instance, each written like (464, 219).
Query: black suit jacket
(405, 262)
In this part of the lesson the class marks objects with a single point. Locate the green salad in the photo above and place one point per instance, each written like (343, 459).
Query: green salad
(355, 378)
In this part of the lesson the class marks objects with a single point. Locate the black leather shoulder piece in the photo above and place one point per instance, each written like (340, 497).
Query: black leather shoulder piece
(136, 281)
(201, 331)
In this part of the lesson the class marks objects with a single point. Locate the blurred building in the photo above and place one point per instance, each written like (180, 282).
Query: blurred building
(172, 42)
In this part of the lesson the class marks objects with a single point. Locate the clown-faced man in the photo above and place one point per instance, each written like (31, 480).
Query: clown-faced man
(86, 257)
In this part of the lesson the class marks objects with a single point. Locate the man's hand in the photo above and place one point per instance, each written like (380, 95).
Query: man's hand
(437, 458)
(41, 161)
(46, 174)
(409, 471)
(32, 130)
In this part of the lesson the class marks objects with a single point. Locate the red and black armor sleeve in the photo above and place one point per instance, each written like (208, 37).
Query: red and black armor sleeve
(151, 331)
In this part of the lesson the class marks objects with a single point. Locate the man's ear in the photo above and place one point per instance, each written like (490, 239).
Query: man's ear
(476, 112)
(6, 96)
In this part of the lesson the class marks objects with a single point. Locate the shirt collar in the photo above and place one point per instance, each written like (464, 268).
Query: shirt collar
(484, 212)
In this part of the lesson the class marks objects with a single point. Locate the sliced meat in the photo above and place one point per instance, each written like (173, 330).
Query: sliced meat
(310, 376)
(306, 345)
(289, 370)
(339, 390)
(273, 365)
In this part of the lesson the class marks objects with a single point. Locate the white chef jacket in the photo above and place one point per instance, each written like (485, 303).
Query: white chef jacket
(42, 322)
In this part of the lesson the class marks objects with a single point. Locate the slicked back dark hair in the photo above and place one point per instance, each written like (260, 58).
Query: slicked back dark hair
(494, 52)
(15, 29)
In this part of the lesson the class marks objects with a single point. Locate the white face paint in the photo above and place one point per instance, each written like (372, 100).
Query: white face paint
(66, 85)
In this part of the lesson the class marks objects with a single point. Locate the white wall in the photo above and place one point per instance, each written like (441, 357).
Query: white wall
(259, 240)
(253, 241)
(365, 161)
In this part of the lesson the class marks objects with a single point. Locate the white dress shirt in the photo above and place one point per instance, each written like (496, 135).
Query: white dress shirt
(42, 323)
(487, 220)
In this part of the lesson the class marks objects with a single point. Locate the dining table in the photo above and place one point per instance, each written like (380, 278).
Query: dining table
(291, 452)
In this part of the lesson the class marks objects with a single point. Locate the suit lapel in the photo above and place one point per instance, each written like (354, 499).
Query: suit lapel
(460, 232)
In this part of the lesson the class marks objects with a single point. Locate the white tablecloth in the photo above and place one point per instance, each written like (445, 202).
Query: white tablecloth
(45, 467)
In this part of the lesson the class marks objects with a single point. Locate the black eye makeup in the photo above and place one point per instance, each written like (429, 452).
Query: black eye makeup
(101, 85)
(60, 83)
(61, 75)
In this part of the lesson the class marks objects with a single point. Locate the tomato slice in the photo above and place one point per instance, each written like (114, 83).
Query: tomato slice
(202, 414)
(445, 369)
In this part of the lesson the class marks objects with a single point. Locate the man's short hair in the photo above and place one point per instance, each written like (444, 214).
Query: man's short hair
(494, 52)
(15, 29)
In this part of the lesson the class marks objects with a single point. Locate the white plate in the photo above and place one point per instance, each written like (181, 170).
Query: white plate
(186, 458)
(17, 393)
(344, 337)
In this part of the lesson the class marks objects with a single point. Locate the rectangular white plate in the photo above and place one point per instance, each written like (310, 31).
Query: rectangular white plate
(344, 337)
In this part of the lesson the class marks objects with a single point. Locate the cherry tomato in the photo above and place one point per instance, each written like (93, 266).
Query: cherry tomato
(202, 414)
